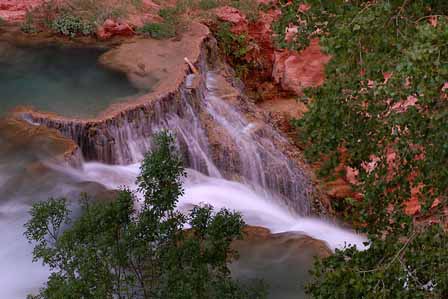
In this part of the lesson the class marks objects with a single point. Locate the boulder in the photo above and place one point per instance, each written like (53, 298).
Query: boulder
(112, 28)
(295, 71)
(230, 14)
(234, 17)
(280, 260)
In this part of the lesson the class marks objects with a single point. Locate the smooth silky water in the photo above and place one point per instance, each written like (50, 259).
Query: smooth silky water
(68, 81)
(29, 174)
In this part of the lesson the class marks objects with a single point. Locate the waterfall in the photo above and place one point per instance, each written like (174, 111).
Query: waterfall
(215, 136)
(234, 159)
(260, 162)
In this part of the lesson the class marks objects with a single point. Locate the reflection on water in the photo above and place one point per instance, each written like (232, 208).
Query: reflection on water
(68, 81)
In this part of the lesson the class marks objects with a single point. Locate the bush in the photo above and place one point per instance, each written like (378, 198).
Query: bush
(169, 13)
(388, 269)
(208, 4)
(384, 54)
(28, 25)
(158, 30)
(71, 25)
(113, 251)
(233, 45)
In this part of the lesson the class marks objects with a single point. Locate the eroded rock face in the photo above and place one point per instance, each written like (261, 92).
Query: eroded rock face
(112, 28)
(231, 15)
(298, 70)
(16, 10)
(48, 144)
(293, 70)
(156, 64)
(138, 20)
(261, 32)
(150, 5)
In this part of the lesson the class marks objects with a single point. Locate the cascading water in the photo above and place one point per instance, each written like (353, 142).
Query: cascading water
(267, 188)
(213, 137)
(233, 157)
(260, 163)
(257, 209)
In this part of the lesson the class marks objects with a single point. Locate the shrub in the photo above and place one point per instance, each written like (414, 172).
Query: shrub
(171, 14)
(233, 45)
(168, 13)
(384, 54)
(208, 4)
(158, 30)
(71, 25)
(28, 26)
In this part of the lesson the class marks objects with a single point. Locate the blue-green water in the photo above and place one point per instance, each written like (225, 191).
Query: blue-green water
(68, 81)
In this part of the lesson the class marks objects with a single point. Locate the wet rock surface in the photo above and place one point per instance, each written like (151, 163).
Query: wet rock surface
(26, 151)
(281, 260)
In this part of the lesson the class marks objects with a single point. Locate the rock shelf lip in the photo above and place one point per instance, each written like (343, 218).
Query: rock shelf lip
(66, 149)
(141, 60)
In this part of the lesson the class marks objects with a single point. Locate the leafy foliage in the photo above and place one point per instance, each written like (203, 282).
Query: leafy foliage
(384, 105)
(172, 13)
(115, 251)
(415, 268)
(173, 21)
(28, 25)
(71, 25)
(235, 47)
(208, 4)
(158, 30)
(77, 17)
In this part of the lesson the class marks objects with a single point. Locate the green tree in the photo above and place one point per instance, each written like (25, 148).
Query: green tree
(385, 102)
(114, 250)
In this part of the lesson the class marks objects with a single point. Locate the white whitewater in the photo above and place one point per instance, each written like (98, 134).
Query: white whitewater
(18, 275)
(256, 208)
(270, 192)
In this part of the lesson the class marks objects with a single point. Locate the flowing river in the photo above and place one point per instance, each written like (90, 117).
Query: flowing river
(232, 161)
